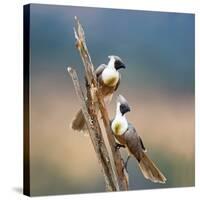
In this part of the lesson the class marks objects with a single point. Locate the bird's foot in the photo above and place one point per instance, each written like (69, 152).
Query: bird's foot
(118, 146)
(126, 163)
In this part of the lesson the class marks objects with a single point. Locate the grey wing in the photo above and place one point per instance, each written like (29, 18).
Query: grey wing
(100, 69)
(133, 142)
(136, 137)
(142, 144)
(131, 138)
(118, 82)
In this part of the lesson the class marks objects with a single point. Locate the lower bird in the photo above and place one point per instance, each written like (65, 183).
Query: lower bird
(127, 136)
(108, 79)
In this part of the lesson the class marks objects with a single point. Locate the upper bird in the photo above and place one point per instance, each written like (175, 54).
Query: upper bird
(108, 78)
(126, 134)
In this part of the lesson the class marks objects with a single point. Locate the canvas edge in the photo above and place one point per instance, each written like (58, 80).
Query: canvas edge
(26, 114)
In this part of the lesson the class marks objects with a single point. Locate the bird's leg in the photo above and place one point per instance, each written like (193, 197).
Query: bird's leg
(126, 163)
(118, 146)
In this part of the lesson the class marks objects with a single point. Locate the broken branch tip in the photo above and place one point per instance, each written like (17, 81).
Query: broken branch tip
(69, 69)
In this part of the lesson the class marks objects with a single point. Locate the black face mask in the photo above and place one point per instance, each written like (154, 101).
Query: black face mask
(119, 65)
(124, 109)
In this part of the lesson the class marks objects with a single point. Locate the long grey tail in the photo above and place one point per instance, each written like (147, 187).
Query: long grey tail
(78, 123)
(150, 171)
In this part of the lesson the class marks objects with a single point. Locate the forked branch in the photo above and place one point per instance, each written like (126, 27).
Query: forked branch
(115, 176)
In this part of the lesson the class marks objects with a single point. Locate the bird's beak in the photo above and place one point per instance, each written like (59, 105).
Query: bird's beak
(128, 109)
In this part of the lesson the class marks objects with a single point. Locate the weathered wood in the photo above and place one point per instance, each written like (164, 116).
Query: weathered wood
(121, 175)
(95, 133)
(84, 54)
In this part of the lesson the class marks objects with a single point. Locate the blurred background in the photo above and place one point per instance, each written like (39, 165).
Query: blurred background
(158, 50)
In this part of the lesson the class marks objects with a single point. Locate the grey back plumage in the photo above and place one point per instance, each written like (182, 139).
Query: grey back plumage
(133, 142)
(100, 69)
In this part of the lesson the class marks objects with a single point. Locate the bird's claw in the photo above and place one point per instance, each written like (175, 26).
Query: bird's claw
(126, 164)
(118, 146)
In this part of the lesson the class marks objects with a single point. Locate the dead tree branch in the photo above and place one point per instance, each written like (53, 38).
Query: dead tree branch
(95, 133)
(116, 177)
(122, 175)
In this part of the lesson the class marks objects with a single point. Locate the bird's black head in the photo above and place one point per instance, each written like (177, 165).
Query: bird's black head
(124, 107)
(118, 63)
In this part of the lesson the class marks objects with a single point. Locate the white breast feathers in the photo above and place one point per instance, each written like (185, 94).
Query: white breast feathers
(110, 77)
(119, 125)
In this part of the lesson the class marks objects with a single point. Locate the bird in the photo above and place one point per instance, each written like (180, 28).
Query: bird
(108, 78)
(127, 136)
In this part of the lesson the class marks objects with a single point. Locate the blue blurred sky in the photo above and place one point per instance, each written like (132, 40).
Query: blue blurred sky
(158, 50)
(157, 47)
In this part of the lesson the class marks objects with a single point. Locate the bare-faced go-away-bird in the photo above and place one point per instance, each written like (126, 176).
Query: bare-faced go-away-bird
(108, 78)
(127, 136)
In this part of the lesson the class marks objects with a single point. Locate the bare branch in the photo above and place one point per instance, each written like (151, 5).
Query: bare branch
(116, 177)
(85, 56)
(122, 178)
(95, 133)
